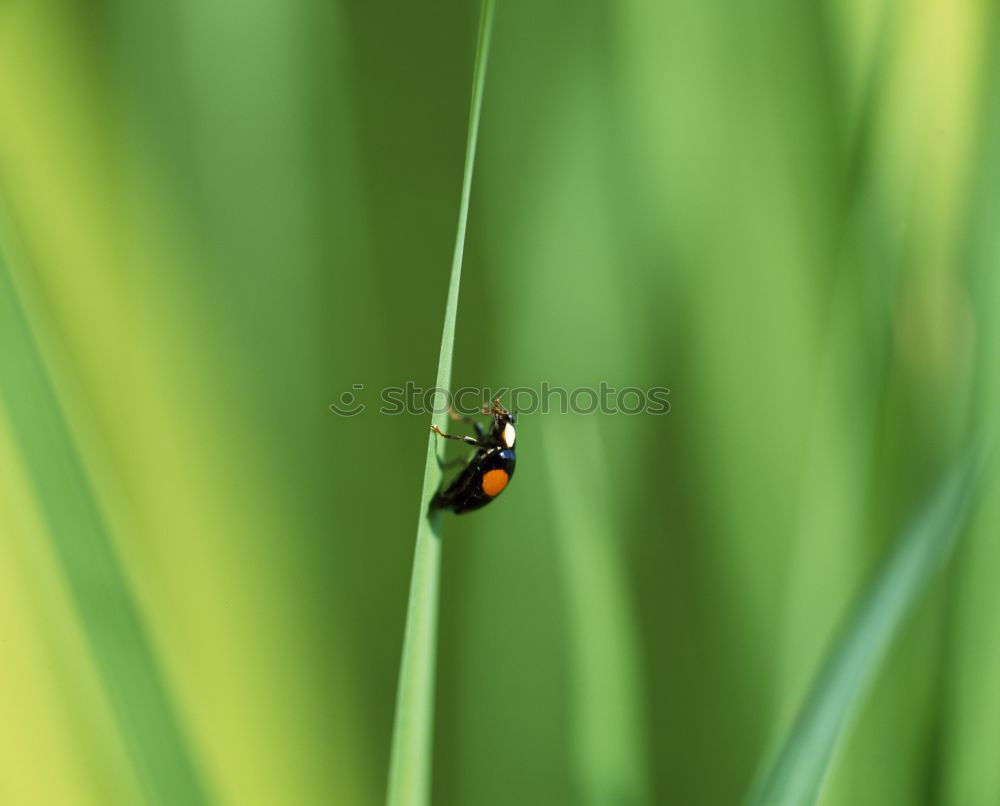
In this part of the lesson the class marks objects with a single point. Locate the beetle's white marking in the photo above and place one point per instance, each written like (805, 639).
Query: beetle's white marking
(509, 435)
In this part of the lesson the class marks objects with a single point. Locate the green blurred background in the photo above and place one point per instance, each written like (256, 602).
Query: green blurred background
(217, 217)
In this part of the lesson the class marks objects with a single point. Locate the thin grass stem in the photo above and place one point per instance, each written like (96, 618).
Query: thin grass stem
(410, 763)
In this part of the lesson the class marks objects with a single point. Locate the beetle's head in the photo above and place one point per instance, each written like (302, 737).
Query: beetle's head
(503, 423)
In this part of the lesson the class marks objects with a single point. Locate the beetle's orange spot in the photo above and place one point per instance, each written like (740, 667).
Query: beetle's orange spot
(494, 481)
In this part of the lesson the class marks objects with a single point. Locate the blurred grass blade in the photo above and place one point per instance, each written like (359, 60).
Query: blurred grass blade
(412, 740)
(139, 700)
(608, 751)
(794, 774)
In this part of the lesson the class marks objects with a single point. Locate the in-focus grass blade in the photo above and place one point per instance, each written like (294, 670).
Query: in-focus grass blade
(412, 740)
(794, 774)
(150, 730)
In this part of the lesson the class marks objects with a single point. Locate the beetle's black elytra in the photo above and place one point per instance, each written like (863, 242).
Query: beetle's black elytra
(489, 470)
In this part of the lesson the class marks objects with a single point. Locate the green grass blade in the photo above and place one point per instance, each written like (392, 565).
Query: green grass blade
(109, 617)
(604, 678)
(412, 741)
(794, 774)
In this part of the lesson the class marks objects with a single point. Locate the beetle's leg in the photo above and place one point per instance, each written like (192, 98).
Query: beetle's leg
(465, 418)
(458, 460)
(466, 440)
